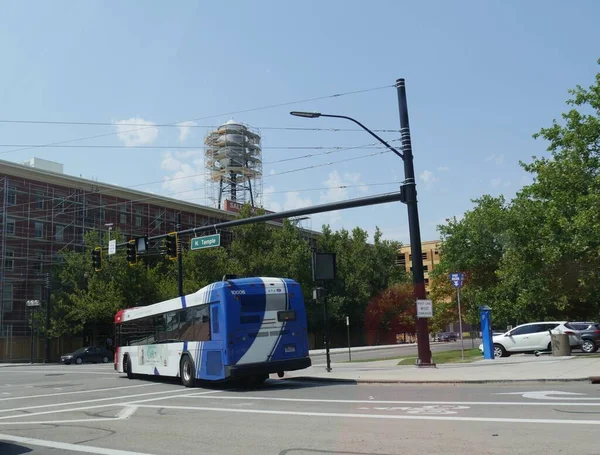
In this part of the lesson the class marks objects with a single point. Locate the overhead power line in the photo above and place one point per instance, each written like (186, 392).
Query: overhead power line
(270, 106)
(108, 191)
(179, 125)
(150, 197)
(182, 147)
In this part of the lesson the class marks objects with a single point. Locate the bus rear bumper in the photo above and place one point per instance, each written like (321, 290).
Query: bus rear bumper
(262, 368)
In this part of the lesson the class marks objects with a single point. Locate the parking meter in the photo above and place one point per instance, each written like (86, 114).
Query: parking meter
(486, 332)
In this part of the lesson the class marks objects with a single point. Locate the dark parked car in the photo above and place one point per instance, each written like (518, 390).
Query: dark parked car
(91, 354)
(590, 334)
(447, 336)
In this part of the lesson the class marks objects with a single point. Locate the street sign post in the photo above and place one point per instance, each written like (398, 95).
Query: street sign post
(208, 241)
(424, 308)
(112, 247)
(457, 282)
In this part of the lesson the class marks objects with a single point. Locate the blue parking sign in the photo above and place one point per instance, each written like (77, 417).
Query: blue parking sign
(457, 279)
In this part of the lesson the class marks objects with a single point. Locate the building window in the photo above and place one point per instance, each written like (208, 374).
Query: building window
(426, 281)
(39, 200)
(425, 268)
(436, 252)
(60, 232)
(123, 218)
(424, 256)
(191, 220)
(7, 297)
(10, 226)
(12, 195)
(9, 261)
(138, 218)
(38, 231)
(37, 292)
(102, 214)
(39, 265)
(60, 205)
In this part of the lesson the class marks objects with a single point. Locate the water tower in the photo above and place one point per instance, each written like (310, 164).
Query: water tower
(233, 162)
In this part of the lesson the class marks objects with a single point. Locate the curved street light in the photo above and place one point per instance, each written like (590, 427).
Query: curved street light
(410, 198)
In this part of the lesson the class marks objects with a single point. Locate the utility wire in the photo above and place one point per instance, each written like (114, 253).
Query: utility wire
(180, 125)
(108, 191)
(336, 95)
(196, 189)
(181, 147)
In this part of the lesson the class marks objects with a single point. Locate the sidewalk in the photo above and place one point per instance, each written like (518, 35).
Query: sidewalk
(517, 368)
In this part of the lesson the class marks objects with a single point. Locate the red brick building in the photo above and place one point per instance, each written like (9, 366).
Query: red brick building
(44, 211)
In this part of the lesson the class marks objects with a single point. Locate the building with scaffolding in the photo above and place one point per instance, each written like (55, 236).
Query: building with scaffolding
(43, 211)
(233, 163)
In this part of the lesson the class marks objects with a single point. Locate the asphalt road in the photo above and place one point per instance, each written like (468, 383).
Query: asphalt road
(75, 410)
(395, 351)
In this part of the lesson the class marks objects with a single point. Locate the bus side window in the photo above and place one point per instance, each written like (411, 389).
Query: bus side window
(160, 328)
(215, 318)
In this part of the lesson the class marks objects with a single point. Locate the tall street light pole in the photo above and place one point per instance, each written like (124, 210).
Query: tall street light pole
(409, 191)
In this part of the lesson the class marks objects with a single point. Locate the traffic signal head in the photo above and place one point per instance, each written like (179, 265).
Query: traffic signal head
(97, 258)
(131, 253)
(171, 244)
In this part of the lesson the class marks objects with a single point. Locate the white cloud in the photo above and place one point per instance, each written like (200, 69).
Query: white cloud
(497, 159)
(442, 169)
(498, 182)
(334, 192)
(144, 133)
(428, 178)
(185, 176)
(184, 129)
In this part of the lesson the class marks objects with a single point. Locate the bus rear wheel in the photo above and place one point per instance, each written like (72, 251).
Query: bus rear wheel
(187, 372)
(128, 368)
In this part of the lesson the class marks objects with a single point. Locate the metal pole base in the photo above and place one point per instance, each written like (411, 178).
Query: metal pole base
(425, 365)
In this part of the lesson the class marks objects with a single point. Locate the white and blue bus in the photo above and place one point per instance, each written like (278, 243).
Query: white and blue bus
(244, 328)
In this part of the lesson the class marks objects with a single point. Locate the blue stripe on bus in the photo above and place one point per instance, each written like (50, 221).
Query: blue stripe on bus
(183, 302)
(156, 371)
(185, 346)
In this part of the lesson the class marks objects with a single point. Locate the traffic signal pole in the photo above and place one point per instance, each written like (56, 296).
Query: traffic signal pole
(423, 347)
(179, 259)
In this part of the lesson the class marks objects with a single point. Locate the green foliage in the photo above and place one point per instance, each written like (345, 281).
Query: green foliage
(538, 256)
(83, 298)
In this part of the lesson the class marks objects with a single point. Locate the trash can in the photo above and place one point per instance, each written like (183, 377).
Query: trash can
(560, 344)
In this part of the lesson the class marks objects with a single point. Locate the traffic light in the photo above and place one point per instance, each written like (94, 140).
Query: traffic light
(171, 244)
(97, 258)
(131, 253)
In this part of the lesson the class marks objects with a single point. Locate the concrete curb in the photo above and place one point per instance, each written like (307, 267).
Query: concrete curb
(424, 381)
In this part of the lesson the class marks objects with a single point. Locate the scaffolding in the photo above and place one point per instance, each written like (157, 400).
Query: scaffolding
(39, 221)
(233, 164)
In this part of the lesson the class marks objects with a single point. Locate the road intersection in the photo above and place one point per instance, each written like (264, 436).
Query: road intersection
(91, 409)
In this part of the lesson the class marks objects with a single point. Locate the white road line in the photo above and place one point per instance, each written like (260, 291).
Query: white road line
(470, 403)
(53, 405)
(123, 414)
(66, 446)
(376, 416)
(85, 408)
(29, 397)
(15, 370)
(126, 412)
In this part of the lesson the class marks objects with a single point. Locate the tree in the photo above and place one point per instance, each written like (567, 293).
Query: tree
(475, 246)
(537, 257)
(555, 239)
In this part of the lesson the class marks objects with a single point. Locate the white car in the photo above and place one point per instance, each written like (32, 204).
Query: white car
(534, 336)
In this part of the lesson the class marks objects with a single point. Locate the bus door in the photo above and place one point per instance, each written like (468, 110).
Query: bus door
(213, 358)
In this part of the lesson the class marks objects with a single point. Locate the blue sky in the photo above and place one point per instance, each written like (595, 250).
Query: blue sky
(481, 77)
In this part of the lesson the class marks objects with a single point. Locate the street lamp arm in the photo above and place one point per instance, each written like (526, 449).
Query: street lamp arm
(318, 114)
